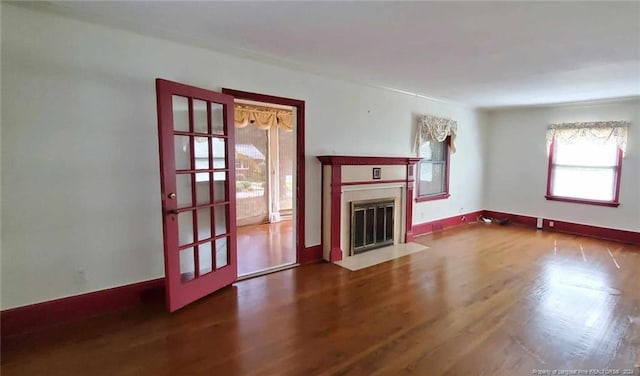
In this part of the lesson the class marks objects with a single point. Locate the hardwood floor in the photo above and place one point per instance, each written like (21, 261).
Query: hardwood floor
(265, 246)
(483, 300)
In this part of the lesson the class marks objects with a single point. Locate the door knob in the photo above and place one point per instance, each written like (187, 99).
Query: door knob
(172, 195)
(173, 211)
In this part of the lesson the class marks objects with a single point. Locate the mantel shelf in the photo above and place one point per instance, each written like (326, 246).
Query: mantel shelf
(338, 160)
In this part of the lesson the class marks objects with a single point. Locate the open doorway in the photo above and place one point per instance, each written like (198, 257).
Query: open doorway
(265, 167)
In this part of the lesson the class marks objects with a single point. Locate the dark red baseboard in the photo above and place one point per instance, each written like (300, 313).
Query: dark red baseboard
(311, 254)
(623, 236)
(441, 224)
(40, 315)
(514, 218)
(37, 316)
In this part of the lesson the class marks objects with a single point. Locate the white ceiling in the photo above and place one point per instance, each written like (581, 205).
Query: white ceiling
(483, 54)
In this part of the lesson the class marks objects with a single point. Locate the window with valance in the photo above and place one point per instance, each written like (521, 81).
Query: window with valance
(585, 161)
(435, 140)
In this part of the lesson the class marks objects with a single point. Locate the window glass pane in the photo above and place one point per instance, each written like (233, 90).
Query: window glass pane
(438, 150)
(182, 152)
(185, 227)
(203, 190)
(585, 153)
(425, 151)
(204, 223)
(220, 219)
(200, 116)
(183, 190)
(201, 153)
(433, 150)
(187, 265)
(222, 252)
(205, 257)
(426, 171)
(180, 113)
(217, 115)
(219, 187)
(587, 183)
(219, 153)
(434, 180)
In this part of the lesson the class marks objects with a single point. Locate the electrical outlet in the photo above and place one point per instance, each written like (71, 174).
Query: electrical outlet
(551, 223)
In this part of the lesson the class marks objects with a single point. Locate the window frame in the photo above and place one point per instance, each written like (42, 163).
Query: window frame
(616, 181)
(437, 196)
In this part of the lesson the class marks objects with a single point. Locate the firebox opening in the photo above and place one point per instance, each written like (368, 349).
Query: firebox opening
(371, 224)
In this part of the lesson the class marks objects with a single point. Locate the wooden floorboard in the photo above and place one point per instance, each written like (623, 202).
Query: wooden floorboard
(482, 300)
(265, 246)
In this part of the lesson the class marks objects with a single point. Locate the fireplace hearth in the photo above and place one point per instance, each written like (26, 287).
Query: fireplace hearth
(372, 224)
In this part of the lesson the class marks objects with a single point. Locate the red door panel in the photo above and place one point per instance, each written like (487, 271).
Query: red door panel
(197, 158)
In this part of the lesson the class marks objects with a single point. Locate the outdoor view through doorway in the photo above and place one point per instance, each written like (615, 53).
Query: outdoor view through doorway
(265, 173)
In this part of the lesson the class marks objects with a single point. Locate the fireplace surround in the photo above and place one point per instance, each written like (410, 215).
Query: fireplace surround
(351, 180)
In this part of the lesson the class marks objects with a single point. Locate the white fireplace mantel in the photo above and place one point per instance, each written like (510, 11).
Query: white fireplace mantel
(352, 178)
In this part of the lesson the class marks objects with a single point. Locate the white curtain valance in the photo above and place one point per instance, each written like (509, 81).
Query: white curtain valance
(433, 128)
(597, 131)
(263, 117)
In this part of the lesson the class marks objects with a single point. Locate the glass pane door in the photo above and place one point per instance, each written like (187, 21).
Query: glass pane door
(196, 150)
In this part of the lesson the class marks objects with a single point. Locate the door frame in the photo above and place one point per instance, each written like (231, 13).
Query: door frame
(300, 157)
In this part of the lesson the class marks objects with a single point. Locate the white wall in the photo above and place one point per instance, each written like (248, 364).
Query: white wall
(80, 175)
(516, 178)
(467, 168)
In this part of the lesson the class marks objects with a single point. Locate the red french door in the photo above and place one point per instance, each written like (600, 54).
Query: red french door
(197, 156)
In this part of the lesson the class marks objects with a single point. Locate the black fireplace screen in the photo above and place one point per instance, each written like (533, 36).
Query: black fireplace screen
(371, 225)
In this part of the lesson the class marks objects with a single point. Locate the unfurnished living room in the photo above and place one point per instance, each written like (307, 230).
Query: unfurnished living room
(320, 188)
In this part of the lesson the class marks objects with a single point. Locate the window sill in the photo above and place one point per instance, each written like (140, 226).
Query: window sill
(441, 196)
(612, 204)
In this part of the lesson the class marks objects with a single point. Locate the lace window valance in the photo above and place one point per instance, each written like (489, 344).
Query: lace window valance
(263, 117)
(596, 132)
(433, 128)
